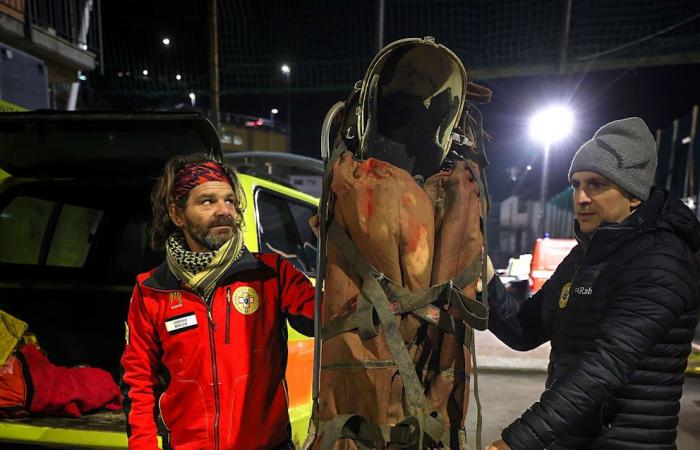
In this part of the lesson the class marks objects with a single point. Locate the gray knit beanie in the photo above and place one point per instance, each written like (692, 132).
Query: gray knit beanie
(624, 152)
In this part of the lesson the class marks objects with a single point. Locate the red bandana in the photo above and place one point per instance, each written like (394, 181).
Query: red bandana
(193, 175)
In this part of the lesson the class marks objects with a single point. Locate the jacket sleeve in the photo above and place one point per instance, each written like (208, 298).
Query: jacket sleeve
(297, 295)
(526, 324)
(140, 364)
(647, 299)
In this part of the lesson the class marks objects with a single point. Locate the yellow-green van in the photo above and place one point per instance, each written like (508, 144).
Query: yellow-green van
(74, 215)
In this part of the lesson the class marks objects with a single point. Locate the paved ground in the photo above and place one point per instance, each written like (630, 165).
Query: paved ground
(511, 381)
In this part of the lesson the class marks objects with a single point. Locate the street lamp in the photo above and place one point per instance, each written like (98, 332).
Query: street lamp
(193, 98)
(273, 112)
(547, 127)
(287, 71)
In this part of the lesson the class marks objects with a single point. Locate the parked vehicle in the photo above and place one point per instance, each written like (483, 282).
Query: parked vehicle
(546, 256)
(74, 213)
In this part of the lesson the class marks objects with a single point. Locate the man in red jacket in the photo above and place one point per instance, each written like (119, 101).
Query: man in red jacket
(206, 334)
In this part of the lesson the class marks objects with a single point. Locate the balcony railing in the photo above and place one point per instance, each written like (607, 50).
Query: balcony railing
(65, 19)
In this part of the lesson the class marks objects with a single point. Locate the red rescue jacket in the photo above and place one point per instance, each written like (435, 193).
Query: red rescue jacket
(222, 365)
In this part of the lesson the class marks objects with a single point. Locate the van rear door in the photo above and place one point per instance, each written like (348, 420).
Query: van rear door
(49, 144)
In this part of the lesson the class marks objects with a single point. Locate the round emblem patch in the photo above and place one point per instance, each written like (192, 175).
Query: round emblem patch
(246, 300)
(564, 296)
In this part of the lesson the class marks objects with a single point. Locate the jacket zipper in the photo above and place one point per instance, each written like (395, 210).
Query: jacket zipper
(215, 372)
(228, 314)
(212, 349)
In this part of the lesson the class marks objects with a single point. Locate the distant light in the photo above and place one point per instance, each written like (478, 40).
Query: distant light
(178, 77)
(255, 123)
(82, 77)
(286, 69)
(551, 124)
(120, 74)
(192, 96)
(166, 41)
(84, 46)
(145, 72)
(529, 167)
(274, 111)
(686, 140)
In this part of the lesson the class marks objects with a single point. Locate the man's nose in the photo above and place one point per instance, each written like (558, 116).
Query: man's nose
(222, 208)
(580, 197)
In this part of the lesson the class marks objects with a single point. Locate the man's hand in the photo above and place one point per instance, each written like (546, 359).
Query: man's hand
(490, 272)
(314, 224)
(498, 445)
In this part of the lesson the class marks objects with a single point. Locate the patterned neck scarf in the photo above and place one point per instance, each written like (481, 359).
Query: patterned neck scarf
(200, 271)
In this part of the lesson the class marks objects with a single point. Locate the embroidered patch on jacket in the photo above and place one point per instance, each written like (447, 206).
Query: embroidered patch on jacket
(183, 322)
(246, 300)
(564, 295)
(175, 300)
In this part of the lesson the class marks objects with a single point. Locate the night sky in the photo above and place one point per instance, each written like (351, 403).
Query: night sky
(132, 32)
(657, 94)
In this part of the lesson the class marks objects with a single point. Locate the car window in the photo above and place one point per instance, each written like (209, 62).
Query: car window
(41, 232)
(22, 227)
(73, 236)
(283, 229)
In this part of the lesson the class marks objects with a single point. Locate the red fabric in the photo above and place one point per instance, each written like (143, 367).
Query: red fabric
(193, 175)
(246, 408)
(13, 389)
(63, 391)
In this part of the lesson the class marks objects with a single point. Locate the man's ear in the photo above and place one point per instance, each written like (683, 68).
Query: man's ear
(176, 215)
(634, 203)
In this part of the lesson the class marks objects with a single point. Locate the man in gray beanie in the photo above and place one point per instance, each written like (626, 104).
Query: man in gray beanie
(620, 310)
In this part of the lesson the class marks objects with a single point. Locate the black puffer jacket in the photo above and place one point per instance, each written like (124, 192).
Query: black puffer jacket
(620, 311)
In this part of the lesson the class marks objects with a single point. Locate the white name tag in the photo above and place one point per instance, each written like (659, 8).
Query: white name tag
(181, 323)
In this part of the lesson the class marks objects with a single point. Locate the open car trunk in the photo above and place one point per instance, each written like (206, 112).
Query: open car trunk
(74, 216)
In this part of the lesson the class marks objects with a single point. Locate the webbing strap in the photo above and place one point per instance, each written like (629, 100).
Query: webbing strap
(404, 434)
(403, 301)
(479, 422)
(372, 291)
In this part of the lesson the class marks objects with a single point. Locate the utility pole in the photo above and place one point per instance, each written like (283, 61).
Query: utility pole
(658, 149)
(214, 62)
(690, 161)
(82, 41)
(672, 156)
(564, 36)
(380, 25)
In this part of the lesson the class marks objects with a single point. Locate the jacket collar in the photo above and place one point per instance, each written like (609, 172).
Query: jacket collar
(162, 278)
(609, 237)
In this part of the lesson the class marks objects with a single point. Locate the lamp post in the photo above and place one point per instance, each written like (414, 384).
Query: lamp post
(287, 72)
(547, 127)
(273, 112)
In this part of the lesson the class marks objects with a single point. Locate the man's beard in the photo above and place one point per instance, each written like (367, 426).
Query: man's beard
(204, 236)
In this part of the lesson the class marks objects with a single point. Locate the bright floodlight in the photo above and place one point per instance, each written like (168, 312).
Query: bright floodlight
(145, 72)
(178, 77)
(551, 125)
(274, 111)
(166, 41)
(285, 69)
(192, 96)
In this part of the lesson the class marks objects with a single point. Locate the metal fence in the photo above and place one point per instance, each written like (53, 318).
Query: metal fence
(75, 21)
